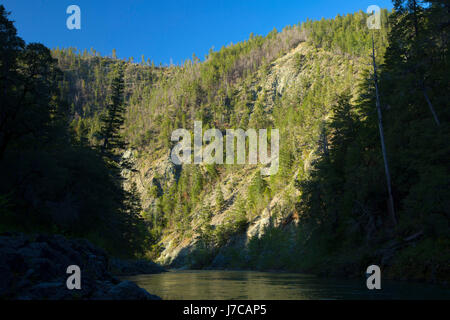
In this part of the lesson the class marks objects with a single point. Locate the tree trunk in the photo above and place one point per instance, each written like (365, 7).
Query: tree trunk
(436, 119)
(383, 147)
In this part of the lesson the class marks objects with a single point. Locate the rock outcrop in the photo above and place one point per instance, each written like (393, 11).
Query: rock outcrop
(121, 267)
(34, 268)
(288, 76)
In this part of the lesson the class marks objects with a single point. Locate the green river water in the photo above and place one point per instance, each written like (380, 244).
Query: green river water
(250, 285)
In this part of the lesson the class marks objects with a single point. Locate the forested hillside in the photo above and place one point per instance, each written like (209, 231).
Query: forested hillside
(96, 162)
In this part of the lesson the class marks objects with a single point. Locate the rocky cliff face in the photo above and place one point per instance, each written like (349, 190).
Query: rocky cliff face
(288, 77)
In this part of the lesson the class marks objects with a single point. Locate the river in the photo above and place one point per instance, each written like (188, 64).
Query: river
(251, 285)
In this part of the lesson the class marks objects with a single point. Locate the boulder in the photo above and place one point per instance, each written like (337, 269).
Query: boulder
(34, 268)
(127, 290)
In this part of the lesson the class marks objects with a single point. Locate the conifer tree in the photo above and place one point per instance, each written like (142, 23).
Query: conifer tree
(112, 122)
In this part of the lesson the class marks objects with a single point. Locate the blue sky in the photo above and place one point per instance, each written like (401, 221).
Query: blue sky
(166, 31)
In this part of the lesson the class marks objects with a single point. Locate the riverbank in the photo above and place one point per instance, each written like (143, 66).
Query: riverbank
(34, 267)
(416, 258)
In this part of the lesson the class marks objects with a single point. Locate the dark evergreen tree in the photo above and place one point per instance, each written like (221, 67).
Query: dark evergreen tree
(112, 123)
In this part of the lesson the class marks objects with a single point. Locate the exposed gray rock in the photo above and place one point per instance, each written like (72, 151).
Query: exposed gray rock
(127, 290)
(34, 268)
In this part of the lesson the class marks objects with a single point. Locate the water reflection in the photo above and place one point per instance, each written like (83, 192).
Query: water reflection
(250, 285)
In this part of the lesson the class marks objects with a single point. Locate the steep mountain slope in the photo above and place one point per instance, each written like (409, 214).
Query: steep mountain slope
(288, 77)
(324, 211)
(287, 80)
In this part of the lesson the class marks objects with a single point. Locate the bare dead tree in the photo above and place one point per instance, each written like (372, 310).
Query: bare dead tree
(430, 105)
(383, 146)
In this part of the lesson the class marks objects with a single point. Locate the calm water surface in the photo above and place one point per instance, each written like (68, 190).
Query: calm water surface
(249, 285)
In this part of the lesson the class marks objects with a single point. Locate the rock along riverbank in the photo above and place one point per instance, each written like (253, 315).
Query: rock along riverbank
(33, 267)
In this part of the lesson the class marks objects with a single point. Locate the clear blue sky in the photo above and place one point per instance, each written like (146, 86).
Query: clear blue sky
(166, 30)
